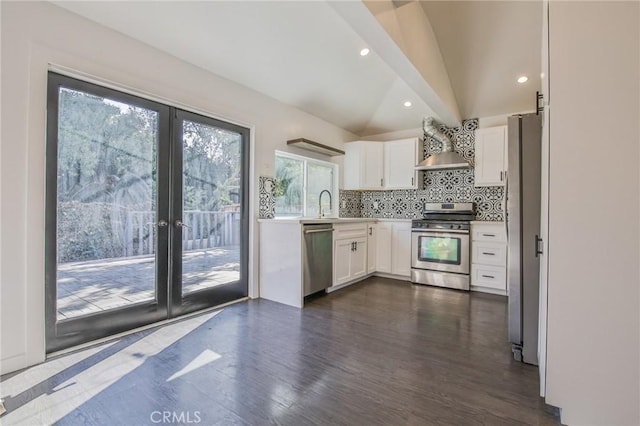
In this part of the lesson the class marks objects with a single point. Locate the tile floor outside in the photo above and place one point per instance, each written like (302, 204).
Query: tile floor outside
(93, 286)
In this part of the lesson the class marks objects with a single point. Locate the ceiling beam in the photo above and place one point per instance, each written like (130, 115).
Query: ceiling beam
(401, 34)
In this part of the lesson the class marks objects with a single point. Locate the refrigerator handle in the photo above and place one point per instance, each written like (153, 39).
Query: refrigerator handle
(538, 245)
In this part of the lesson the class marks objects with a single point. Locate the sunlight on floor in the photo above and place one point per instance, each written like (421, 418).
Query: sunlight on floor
(53, 400)
(204, 358)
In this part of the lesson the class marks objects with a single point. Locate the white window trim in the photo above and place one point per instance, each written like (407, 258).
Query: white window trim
(336, 179)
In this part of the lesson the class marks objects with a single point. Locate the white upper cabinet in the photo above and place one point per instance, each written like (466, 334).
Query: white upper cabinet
(491, 156)
(381, 165)
(364, 165)
(400, 158)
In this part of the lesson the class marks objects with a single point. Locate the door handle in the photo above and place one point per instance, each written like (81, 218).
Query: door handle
(162, 223)
(181, 224)
(538, 242)
(313, 231)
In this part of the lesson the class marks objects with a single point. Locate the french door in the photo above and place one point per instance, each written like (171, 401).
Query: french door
(146, 212)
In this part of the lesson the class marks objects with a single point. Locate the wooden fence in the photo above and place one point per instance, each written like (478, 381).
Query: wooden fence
(205, 229)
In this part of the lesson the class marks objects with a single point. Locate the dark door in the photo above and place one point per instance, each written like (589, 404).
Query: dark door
(209, 213)
(146, 213)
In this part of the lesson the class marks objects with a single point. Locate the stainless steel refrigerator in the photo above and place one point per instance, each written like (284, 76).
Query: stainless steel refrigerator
(523, 228)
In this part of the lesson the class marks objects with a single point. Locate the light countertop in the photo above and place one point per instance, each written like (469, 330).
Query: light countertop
(312, 220)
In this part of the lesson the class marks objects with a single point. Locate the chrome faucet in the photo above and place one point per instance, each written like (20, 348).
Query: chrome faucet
(320, 211)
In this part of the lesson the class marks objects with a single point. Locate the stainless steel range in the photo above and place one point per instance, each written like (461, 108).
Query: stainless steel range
(440, 249)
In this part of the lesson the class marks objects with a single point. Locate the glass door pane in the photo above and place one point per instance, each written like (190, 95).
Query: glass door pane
(211, 206)
(208, 229)
(102, 212)
(106, 227)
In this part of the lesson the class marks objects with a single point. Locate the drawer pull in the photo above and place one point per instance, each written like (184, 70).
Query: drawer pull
(488, 235)
(488, 253)
(488, 276)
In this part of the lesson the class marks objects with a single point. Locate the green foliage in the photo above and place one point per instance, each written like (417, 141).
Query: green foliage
(289, 184)
(82, 233)
(107, 167)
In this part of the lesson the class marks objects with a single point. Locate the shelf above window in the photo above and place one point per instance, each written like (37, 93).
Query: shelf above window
(315, 147)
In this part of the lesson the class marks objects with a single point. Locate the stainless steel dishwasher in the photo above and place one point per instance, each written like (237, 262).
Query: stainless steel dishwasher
(317, 257)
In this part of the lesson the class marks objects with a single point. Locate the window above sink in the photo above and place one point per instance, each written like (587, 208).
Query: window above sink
(299, 182)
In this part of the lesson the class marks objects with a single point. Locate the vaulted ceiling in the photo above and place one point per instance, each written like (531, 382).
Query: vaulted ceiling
(486, 46)
(306, 54)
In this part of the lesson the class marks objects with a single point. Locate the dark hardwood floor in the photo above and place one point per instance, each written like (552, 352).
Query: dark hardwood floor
(381, 352)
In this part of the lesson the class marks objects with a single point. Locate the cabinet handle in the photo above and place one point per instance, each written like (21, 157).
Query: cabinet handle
(381, 182)
(488, 276)
(412, 181)
(370, 230)
(488, 253)
(500, 176)
(488, 235)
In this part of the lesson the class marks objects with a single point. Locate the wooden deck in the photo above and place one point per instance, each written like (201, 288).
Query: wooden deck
(88, 287)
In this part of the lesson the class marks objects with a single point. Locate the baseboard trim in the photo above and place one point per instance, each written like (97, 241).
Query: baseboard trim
(393, 276)
(13, 363)
(488, 290)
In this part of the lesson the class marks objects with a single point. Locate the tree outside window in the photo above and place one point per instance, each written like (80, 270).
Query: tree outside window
(299, 182)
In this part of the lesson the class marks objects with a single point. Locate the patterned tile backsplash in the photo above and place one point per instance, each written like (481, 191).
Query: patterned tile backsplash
(440, 186)
(267, 206)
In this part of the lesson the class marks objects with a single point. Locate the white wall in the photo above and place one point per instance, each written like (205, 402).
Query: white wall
(37, 34)
(593, 352)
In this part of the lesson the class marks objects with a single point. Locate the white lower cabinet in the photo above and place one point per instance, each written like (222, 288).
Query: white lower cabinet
(488, 276)
(349, 252)
(489, 257)
(372, 247)
(358, 259)
(383, 248)
(365, 248)
(393, 252)
(342, 261)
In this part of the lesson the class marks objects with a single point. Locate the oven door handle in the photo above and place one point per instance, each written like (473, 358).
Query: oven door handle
(440, 231)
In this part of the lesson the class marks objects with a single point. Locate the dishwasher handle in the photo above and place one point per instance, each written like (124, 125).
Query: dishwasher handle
(313, 231)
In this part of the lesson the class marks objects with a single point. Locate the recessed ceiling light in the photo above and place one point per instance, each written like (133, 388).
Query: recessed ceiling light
(364, 52)
(523, 79)
(407, 104)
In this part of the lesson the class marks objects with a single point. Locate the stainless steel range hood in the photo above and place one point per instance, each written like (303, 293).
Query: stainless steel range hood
(446, 159)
